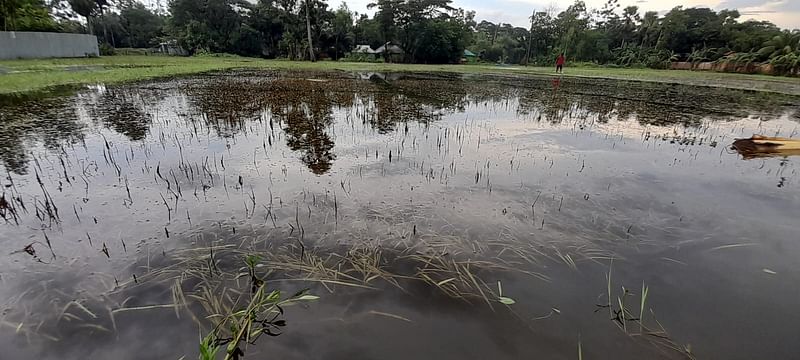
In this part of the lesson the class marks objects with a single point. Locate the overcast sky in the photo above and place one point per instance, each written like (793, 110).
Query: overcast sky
(784, 13)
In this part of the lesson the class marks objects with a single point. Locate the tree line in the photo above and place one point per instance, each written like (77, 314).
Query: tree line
(428, 31)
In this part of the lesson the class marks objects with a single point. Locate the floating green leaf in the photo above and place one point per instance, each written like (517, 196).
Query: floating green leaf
(506, 300)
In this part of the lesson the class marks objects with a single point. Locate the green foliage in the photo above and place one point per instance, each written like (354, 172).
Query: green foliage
(749, 35)
(782, 51)
(26, 15)
(782, 44)
(71, 26)
(85, 8)
(367, 32)
(494, 53)
(358, 57)
(209, 24)
(786, 64)
(143, 27)
(428, 31)
(342, 31)
(263, 314)
(739, 58)
(621, 37)
(504, 43)
(659, 58)
(106, 49)
(440, 42)
(593, 46)
(209, 348)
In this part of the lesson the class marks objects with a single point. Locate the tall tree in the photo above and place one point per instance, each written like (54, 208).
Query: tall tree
(367, 31)
(26, 15)
(85, 8)
(142, 25)
(530, 39)
(308, 29)
(342, 29)
(212, 25)
(271, 23)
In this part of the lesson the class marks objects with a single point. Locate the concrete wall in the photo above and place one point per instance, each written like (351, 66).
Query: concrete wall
(28, 45)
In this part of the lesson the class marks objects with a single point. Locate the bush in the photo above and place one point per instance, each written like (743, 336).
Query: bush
(493, 54)
(106, 49)
(132, 51)
(656, 62)
(787, 64)
(205, 53)
(361, 57)
(584, 64)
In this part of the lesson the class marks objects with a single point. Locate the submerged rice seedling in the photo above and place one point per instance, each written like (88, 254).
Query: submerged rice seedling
(242, 326)
(622, 315)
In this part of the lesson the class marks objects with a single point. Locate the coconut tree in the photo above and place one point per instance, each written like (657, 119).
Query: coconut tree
(649, 29)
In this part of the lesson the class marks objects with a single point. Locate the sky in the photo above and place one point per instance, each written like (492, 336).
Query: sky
(784, 13)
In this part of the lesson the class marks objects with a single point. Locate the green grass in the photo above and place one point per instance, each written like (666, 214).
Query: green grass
(20, 76)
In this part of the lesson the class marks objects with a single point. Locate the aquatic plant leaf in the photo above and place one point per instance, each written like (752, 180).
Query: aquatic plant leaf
(506, 300)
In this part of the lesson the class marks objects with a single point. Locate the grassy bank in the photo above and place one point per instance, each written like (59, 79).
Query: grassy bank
(20, 76)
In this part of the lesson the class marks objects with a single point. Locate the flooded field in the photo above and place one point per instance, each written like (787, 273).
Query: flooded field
(400, 216)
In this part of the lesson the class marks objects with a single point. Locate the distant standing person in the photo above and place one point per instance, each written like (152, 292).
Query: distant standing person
(560, 63)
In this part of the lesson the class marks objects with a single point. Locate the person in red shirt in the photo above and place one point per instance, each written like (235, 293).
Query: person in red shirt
(560, 63)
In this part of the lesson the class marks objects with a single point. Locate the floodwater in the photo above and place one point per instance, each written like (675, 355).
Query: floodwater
(127, 208)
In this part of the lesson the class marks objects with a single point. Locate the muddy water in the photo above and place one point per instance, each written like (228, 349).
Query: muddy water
(556, 184)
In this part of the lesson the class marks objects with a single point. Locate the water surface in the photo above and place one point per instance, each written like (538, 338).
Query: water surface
(545, 185)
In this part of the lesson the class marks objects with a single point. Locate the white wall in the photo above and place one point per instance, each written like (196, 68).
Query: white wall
(29, 45)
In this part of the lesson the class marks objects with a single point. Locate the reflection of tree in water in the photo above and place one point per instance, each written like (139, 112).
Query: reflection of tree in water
(227, 105)
(649, 103)
(122, 110)
(305, 108)
(303, 103)
(411, 98)
(52, 121)
(305, 131)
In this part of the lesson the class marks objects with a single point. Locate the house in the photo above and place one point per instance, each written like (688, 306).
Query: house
(363, 49)
(469, 57)
(362, 53)
(391, 52)
(171, 48)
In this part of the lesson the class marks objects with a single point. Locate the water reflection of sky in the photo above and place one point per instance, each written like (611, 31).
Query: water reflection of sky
(639, 169)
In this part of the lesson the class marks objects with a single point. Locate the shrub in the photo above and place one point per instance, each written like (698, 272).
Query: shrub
(361, 57)
(106, 49)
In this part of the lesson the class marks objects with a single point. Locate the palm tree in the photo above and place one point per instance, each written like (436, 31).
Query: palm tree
(648, 28)
(308, 29)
